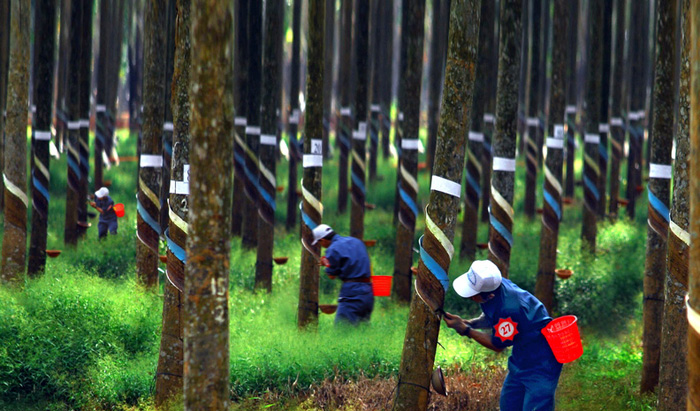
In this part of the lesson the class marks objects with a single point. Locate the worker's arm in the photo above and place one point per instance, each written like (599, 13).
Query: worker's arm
(463, 328)
(480, 322)
(94, 205)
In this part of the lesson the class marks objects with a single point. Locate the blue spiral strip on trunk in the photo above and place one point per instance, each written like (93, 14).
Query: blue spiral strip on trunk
(409, 201)
(487, 147)
(592, 187)
(307, 219)
(74, 165)
(501, 229)
(37, 184)
(433, 266)
(177, 251)
(146, 217)
(552, 203)
(603, 152)
(659, 206)
(356, 180)
(474, 184)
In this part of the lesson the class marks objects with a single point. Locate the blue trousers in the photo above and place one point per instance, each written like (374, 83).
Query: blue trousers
(530, 389)
(102, 227)
(355, 303)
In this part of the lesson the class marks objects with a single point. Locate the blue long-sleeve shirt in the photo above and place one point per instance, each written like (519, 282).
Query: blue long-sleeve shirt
(107, 215)
(348, 258)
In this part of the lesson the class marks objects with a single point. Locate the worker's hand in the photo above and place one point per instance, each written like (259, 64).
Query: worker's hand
(455, 322)
(324, 262)
(92, 204)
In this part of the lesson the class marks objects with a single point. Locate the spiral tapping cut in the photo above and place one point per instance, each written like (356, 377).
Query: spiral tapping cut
(474, 168)
(344, 136)
(591, 173)
(148, 206)
(617, 132)
(436, 252)
(267, 186)
(176, 238)
(358, 165)
(659, 214)
(552, 186)
(531, 149)
(101, 126)
(16, 207)
(40, 179)
(73, 162)
(408, 190)
(501, 219)
(251, 166)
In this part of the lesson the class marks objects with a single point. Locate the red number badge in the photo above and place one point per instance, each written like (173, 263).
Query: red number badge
(506, 329)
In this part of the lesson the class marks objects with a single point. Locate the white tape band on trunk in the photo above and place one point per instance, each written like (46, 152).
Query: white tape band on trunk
(100, 108)
(592, 139)
(693, 316)
(616, 122)
(489, 118)
(634, 116)
(603, 128)
(252, 130)
(680, 232)
(268, 140)
(73, 125)
(42, 135)
(294, 118)
(151, 160)
(476, 136)
(312, 160)
(400, 116)
(446, 186)
(532, 122)
(409, 144)
(84, 123)
(179, 187)
(559, 131)
(570, 109)
(359, 135)
(660, 171)
(345, 111)
(555, 143)
(240, 121)
(375, 108)
(503, 164)
(168, 126)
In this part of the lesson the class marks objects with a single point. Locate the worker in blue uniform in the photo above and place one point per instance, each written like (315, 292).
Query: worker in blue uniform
(347, 259)
(517, 319)
(105, 206)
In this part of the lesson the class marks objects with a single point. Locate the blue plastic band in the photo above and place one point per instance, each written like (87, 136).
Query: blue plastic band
(591, 186)
(74, 165)
(177, 251)
(44, 192)
(342, 137)
(270, 200)
(659, 206)
(357, 182)
(502, 230)
(603, 151)
(474, 184)
(552, 203)
(168, 148)
(84, 162)
(409, 201)
(146, 217)
(307, 219)
(433, 266)
(488, 148)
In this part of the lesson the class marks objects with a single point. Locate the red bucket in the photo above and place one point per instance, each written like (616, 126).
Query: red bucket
(381, 285)
(119, 209)
(564, 339)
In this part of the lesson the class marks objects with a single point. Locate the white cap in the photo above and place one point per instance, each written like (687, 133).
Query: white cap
(483, 276)
(321, 231)
(102, 192)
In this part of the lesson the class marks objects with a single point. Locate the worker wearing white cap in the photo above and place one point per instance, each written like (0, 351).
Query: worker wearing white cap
(105, 206)
(517, 319)
(347, 259)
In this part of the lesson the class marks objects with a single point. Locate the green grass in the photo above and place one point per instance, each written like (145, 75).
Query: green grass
(85, 336)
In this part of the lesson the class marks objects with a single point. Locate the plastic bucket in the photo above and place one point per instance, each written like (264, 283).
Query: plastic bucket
(381, 285)
(119, 209)
(564, 339)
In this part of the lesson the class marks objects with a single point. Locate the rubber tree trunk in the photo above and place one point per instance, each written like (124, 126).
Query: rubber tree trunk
(312, 208)
(151, 153)
(387, 53)
(436, 63)
(617, 133)
(552, 192)
(374, 95)
(524, 76)
(101, 122)
(4, 60)
(571, 100)
(591, 170)
(489, 124)
(14, 241)
(113, 70)
(84, 104)
(169, 375)
(71, 140)
(272, 79)
(532, 122)
(294, 117)
(344, 129)
(61, 72)
(240, 98)
(693, 302)
(659, 191)
(329, 59)
(135, 62)
(168, 126)
(44, 45)
(475, 149)
(604, 126)
(673, 366)
(408, 168)
(418, 356)
(503, 176)
(206, 319)
(400, 103)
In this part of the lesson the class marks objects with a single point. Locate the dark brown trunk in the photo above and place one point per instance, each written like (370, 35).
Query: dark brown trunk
(329, 58)
(387, 46)
(61, 73)
(240, 98)
(294, 117)
(410, 78)
(101, 122)
(375, 78)
(113, 70)
(604, 126)
(532, 121)
(272, 72)
(4, 60)
(617, 133)
(168, 126)
(206, 317)
(151, 152)
(14, 241)
(312, 209)
(438, 40)
(420, 342)
(503, 178)
(135, 62)
(344, 129)
(571, 99)
(84, 103)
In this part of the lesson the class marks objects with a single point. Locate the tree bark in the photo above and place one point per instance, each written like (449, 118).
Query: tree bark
(387, 45)
(169, 375)
(14, 243)
(503, 178)
(206, 319)
(571, 99)
(151, 153)
(412, 392)
(135, 62)
(438, 40)
(532, 130)
(272, 72)
(604, 126)
(673, 367)
(252, 131)
(240, 97)
(168, 126)
(408, 168)
(329, 58)
(617, 133)
(591, 170)
(101, 122)
(71, 140)
(312, 208)
(44, 45)
(476, 131)
(375, 79)
(4, 60)
(489, 117)
(84, 107)
(294, 116)
(344, 129)
(552, 213)
(113, 70)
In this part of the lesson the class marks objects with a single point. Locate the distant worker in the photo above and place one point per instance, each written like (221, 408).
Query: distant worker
(517, 318)
(105, 206)
(347, 259)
